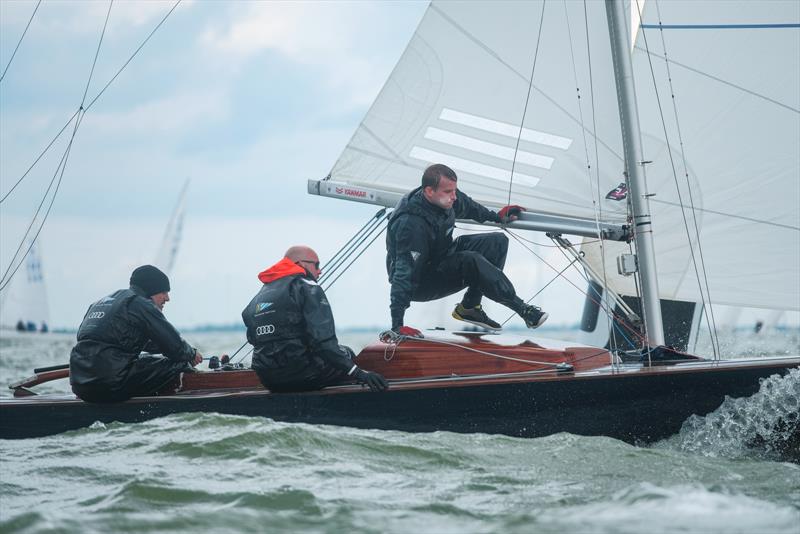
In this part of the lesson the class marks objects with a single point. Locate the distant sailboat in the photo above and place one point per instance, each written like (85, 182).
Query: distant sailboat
(23, 304)
(170, 243)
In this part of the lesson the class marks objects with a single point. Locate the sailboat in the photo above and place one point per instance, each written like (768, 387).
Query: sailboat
(674, 215)
(171, 242)
(23, 303)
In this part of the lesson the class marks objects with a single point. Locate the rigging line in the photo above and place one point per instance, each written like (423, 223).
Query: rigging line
(355, 247)
(486, 353)
(6, 278)
(35, 9)
(600, 304)
(711, 323)
(371, 220)
(40, 155)
(730, 215)
(527, 100)
(720, 80)
(715, 337)
(361, 236)
(239, 350)
(97, 52)
(134, 54)
(94, 99)
(597, 208)
(609, 307)
(63, 165)
(356, 258)
(245, 355)
(494, 229)
(3, 280)
(542, 289)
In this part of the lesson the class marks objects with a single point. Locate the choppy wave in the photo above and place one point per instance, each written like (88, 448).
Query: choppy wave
(765, 425)
(219, 473)
(222, 473)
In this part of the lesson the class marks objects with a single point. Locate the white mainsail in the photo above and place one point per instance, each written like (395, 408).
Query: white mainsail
(459, 91)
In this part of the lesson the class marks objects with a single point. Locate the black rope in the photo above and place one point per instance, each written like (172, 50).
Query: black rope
(542, 289)
(40, 156)
(328, 275)
(6, 279)
(527, 99)
(92, 102)
(35, 9)
(97, 53)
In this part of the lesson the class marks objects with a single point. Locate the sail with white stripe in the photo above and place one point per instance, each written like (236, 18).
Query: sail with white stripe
(460, 95)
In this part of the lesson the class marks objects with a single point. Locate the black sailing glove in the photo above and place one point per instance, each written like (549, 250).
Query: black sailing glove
(375, 381)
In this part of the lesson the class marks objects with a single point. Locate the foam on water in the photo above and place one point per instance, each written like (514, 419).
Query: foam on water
(229, 473)
(766, 424)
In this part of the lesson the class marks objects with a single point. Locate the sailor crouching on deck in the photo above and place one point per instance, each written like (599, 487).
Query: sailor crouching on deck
(425, 263)
(106, 365)
(290, 324)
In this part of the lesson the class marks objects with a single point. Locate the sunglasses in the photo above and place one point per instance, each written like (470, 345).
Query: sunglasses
(314, 263)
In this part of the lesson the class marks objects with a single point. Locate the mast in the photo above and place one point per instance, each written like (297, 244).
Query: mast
(632, 142)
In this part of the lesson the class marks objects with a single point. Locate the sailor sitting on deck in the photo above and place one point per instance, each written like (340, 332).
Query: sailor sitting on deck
(290, 324)
(106, 365)
(425, 263)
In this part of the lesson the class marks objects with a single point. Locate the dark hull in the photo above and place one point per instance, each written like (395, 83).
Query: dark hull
(634, 404)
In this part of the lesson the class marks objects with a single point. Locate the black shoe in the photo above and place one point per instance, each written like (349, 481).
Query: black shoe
(533, 316)
(475, 316)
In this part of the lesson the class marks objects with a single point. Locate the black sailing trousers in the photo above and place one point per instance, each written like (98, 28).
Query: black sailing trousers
(308, 372)
(148, 375)
(476, 262)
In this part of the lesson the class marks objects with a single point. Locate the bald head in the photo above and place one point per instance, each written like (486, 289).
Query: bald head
(307, 258)
(301, 252)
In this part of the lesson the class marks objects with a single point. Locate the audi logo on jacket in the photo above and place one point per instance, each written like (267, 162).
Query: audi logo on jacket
(290, 318)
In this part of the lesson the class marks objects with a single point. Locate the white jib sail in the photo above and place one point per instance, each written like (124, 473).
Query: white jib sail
(458, 94)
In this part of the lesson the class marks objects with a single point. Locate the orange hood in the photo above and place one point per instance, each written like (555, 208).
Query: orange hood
(285, 267)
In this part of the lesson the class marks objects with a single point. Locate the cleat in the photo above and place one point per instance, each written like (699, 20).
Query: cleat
(475, 316)
(533, 316)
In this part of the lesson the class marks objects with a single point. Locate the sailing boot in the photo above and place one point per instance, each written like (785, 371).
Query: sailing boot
(533, 316)
(475, 316)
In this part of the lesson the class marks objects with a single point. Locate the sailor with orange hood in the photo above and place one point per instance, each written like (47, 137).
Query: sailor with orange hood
(290, 325)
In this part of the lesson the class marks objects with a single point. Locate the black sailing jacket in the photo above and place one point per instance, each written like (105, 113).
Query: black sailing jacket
(114, 331)
(419, 235)
(289, 319)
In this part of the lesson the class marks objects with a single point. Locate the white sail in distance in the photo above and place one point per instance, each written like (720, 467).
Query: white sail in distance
(25, 298)
(458, 94)
(170, 243)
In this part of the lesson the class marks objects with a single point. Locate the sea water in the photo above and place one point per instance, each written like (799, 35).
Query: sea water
(222, 473)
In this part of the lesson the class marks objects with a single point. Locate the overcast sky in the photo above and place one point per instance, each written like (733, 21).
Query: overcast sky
(249, 100)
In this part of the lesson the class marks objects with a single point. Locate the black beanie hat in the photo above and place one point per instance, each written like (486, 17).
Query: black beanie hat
(150, 279)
